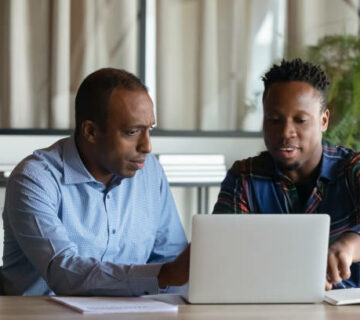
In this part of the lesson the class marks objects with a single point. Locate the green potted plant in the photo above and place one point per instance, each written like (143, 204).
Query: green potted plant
(339, 55)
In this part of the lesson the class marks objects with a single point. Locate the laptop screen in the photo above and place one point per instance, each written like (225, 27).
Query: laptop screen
(258, 258)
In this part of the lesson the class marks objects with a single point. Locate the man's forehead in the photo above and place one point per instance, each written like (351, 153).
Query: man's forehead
(128, 95)
(299, 96)
(291, 90)
(129, 99)
(131, 109)
(300, 86)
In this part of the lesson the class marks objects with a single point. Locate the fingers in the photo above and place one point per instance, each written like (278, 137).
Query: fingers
(344, 265)
(338, 266)
(332, 269)
(328, 285)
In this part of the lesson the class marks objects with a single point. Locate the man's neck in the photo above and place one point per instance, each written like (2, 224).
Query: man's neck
(299, 177)
(307, 172)
(90, 164)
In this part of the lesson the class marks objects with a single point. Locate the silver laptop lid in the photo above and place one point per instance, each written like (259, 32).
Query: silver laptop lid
(258, 258)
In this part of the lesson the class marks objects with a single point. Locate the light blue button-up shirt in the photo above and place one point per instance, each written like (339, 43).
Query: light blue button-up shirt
(67, 233)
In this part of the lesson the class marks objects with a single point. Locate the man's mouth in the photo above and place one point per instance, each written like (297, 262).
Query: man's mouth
(138, 164)
(288, 151)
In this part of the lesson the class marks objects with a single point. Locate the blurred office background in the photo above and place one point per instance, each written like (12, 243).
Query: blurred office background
(202, 61)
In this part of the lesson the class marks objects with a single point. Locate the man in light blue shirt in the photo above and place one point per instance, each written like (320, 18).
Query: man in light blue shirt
(93, 214)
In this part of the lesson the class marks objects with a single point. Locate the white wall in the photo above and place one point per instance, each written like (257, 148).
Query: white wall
(233, 148)
(16, 147)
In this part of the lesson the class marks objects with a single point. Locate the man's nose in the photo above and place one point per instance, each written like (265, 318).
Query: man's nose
(288, 130)
(144, 145)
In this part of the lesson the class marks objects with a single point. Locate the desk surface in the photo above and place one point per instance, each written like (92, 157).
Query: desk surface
(40, 308)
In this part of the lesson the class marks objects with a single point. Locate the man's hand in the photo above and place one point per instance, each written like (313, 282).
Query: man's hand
(175, 273)
(342, 253)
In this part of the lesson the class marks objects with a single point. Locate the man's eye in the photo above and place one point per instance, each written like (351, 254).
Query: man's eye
(273, 119)
(132, 132)
(300, 120)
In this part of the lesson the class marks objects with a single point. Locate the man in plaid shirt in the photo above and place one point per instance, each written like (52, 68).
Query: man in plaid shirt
(300, 172)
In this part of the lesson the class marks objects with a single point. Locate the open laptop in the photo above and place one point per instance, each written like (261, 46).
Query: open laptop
(258, 258)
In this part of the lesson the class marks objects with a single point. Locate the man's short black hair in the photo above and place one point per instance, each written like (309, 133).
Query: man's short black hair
(92, 98)
(298, 70)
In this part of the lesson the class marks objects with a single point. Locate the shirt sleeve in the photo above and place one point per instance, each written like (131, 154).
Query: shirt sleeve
(354, 183)
(232, 197)
(170, 237)
(31, 210)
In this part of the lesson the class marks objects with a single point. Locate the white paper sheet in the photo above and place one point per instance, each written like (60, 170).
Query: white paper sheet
(114, 304)
(343, 296)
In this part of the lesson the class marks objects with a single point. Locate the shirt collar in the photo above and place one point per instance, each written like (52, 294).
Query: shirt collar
(330, 160)
(74, 169)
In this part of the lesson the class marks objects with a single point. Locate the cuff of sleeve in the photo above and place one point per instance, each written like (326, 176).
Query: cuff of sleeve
(354, 229)
(143, 279)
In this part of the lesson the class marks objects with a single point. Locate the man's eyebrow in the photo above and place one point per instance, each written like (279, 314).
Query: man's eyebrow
(303, 112)
(139, 126)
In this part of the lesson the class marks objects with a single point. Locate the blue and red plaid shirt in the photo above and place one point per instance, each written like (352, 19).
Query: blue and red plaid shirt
(256, 185)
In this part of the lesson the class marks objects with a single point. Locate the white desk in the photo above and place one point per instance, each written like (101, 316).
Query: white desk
(39, 308)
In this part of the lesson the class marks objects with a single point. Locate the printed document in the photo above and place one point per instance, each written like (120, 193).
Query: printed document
(114, 304)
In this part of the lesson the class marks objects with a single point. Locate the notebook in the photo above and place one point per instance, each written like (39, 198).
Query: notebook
(341, 297)
(258, 258)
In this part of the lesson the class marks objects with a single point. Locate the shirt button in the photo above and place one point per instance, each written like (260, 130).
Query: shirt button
(113, 231)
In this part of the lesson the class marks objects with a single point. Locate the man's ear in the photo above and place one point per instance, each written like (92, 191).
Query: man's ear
(89, 130)
(325, 120)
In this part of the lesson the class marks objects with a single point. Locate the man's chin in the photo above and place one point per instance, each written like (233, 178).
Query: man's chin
(289, 166)
(130, 170)
(129, 174)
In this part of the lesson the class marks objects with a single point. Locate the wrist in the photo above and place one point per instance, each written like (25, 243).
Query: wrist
(351, 240)
(163, 280)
